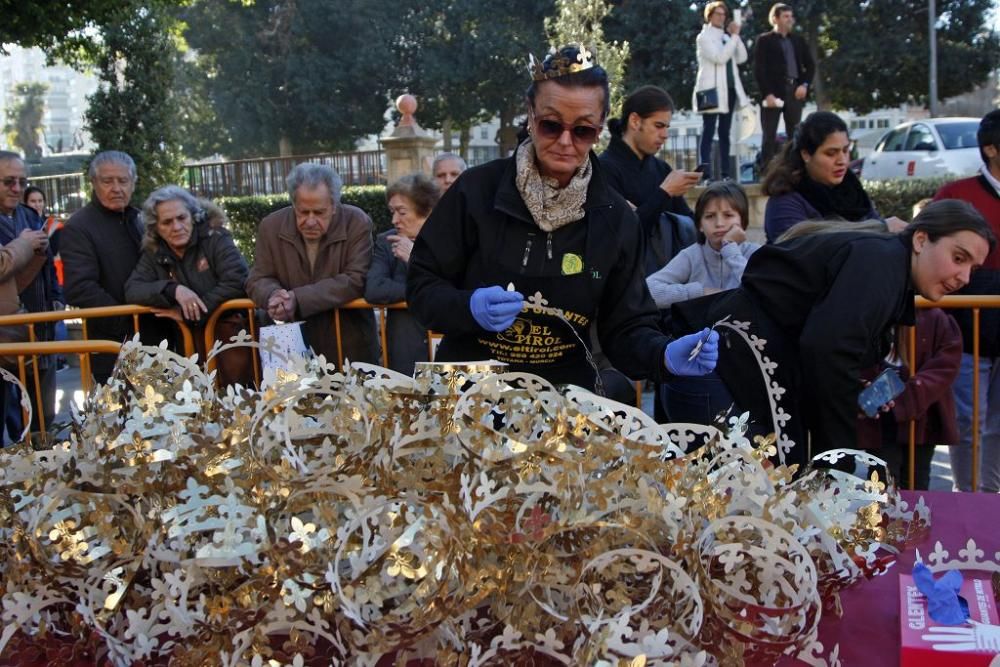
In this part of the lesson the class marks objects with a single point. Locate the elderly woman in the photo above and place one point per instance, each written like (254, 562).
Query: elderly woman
(189, 266)
(544, 224)
(411, 200)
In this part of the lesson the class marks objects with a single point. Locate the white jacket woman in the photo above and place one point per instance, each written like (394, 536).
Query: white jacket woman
(719, 46)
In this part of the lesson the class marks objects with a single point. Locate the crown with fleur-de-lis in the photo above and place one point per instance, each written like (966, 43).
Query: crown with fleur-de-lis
(567, 60)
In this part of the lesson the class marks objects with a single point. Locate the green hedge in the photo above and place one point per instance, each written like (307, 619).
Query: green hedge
(245, 213)
(898, 197)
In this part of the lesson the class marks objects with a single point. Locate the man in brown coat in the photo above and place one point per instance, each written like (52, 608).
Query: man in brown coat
(311, 258)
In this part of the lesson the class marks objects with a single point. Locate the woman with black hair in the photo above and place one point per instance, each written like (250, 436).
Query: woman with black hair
(545, 224)
(810, 179)
(813, 312)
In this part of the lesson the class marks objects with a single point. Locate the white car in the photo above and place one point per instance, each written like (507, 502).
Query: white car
(925, 149)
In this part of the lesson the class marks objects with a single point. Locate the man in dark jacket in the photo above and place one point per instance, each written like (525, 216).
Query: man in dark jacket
(40, 295)
(100, 247)
(783, 67)
(650, 186)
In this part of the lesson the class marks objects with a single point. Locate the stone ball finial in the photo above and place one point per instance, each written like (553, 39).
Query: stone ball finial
(407, 105)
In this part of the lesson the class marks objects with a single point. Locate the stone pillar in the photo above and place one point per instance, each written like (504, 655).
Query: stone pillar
(409, 148)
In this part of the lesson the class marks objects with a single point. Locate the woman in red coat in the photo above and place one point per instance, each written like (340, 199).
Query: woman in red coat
(927, 399)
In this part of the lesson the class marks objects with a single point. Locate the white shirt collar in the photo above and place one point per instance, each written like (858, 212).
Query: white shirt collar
(990, 178)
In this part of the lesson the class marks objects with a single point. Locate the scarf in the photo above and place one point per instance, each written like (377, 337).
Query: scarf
(551, 207)
(847, 200)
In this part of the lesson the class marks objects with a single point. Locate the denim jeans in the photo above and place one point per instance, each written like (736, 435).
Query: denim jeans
(989, 425)
(708, 121)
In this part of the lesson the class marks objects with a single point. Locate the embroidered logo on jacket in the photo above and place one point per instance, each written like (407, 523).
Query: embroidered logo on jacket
(571, 264)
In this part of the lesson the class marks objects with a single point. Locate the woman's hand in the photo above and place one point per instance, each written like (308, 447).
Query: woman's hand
(192, 307)
(733, 28)
(401, 246)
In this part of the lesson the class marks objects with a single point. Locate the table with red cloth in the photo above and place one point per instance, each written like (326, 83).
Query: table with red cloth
(868, 632)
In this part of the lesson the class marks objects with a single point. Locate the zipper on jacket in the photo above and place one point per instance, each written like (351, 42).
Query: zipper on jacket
(527, 252)
(548, 245)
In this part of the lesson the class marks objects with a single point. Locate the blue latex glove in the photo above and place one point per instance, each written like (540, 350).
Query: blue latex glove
(943, 603)
(494, 308)
(678, 353)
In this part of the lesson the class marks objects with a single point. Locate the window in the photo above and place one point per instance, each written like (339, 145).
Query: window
(484, 133)
(883, 123)
(920, 139)
(892, 141)
(958, 135)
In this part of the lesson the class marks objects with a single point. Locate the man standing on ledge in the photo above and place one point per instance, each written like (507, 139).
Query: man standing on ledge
(784, 70)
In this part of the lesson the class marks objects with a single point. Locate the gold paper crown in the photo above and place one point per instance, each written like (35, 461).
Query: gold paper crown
(568, 60)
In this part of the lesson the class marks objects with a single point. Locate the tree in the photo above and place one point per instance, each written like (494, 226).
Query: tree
(582, 22)
(661, 38)
(466, 60)
(133, 109)
(876, 54)
(24, 119)
(292, 76)
(46, 24)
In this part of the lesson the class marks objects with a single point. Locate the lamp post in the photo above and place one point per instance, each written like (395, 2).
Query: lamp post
(932, 35)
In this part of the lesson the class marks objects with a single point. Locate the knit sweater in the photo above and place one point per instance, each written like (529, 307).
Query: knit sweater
(699, 266)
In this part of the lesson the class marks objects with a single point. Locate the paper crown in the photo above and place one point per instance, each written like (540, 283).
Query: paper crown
(567, 60)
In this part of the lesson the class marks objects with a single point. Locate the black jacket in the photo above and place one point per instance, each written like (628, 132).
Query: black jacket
(769, 63)
(212, 267)
(824, 305)
(639, 181)
(481, 234)
(406, 339)
(99, 249)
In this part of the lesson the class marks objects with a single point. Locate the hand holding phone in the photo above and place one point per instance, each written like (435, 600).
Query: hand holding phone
(883, 389)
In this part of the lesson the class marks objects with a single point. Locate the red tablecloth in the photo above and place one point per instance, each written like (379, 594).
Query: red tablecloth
(868, 633)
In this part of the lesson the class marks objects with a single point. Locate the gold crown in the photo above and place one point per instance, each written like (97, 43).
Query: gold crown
(568, 60)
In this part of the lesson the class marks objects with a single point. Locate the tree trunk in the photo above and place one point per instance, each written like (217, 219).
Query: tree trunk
(285, 146)
(464, 136)
(819, 91)
(446, 134)
(508, 132)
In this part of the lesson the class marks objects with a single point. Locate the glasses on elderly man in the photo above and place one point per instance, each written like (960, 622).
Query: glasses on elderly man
(11, 181)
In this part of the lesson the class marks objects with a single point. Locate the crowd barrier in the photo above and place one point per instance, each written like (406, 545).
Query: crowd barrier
(33, 348)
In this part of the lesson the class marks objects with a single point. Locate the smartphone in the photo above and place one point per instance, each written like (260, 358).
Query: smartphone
(738, 16)
(883, 389)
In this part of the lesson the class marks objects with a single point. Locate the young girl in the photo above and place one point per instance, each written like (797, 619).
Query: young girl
(717, 260)
(713, 264)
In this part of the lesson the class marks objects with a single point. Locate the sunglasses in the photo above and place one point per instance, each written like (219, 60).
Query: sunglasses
(552, 129)
(11, 181)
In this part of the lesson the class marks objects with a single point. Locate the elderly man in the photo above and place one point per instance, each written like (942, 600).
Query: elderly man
(36, 284)
(446, 168)
(311, 258)
(100, 246)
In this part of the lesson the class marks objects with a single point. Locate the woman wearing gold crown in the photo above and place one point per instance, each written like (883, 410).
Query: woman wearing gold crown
(522, 254)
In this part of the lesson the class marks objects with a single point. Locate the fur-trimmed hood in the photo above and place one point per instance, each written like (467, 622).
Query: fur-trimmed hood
(208, 218)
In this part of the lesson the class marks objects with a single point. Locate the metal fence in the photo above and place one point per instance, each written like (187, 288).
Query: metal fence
(266, 176)
(64, 193)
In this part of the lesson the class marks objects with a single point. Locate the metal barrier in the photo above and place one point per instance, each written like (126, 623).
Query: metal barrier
(975, 303)
(85, 348)
(83, 314)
